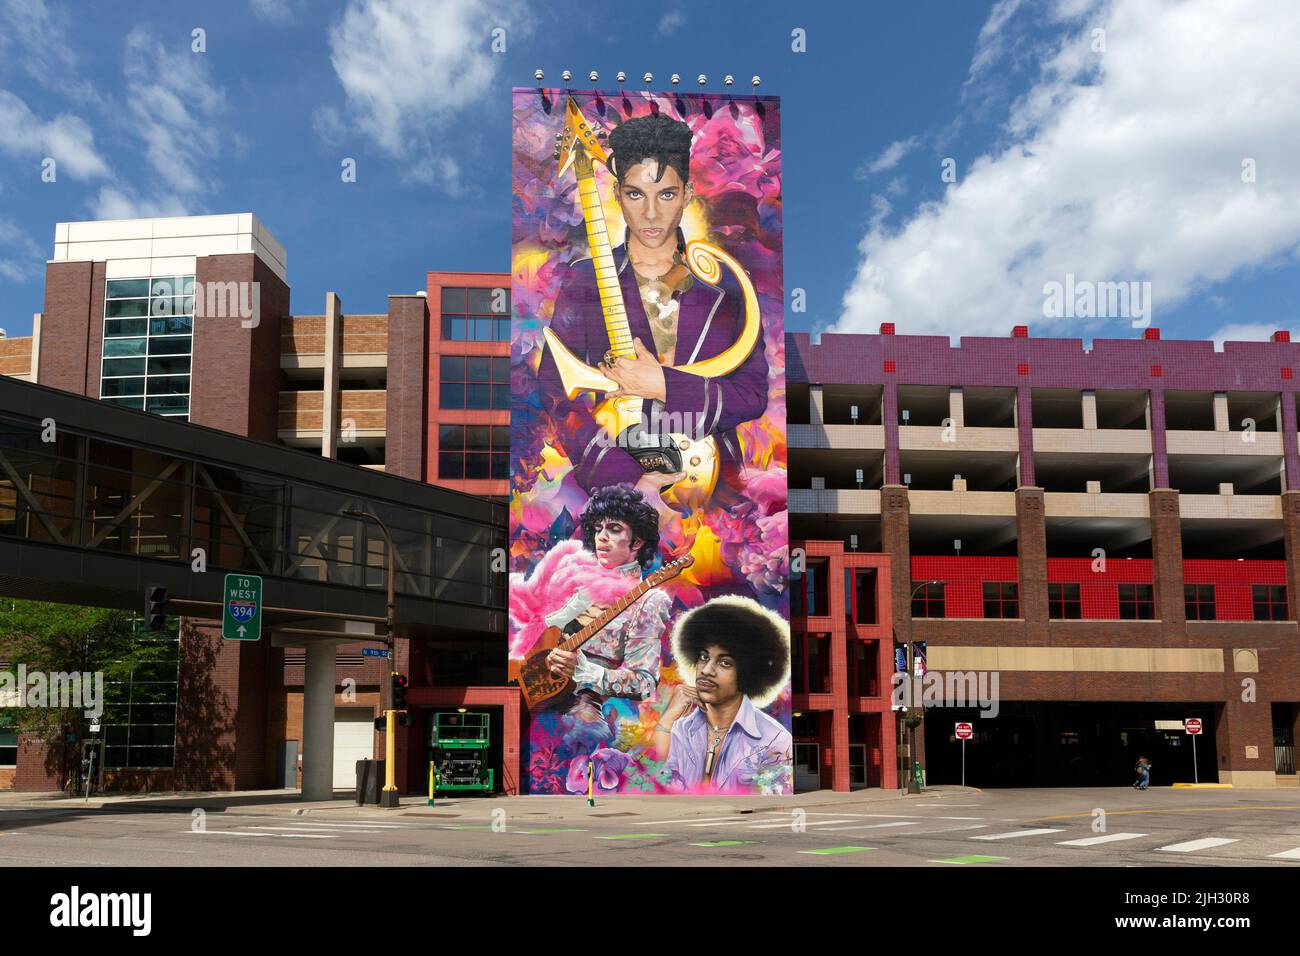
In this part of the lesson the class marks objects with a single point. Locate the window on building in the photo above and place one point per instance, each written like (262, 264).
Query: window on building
(1001, 599)
(819, 663)
(809, 592)
(864, 668)
(1269, 601)
(1137, 602)
(148, 339)
(140, 713)
(1063, 602)
(476, 315)
(474, 451)
(927, 599)
(860, 588)
(474, 381)
(8, 737)
(1198, 599)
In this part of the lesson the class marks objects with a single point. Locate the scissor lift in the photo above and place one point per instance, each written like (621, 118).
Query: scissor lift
(458, 753)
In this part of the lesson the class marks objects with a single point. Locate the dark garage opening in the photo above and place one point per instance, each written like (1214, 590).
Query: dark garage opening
(1068, 744)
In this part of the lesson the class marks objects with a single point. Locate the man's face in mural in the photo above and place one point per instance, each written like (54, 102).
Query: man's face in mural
(615, 545)
(653, 210)
(715, 676)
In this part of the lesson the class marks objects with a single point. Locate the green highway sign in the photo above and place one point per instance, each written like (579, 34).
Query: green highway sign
(241, 608)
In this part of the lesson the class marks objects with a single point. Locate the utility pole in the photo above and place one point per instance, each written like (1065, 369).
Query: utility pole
(389, 797)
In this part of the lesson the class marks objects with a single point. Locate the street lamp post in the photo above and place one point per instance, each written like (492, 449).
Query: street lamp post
(389, 796)
(913, 785)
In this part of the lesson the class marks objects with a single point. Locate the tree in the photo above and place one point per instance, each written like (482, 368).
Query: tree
(66, 639)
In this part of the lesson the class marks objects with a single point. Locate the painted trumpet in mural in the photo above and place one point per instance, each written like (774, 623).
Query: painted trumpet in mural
(649, 552)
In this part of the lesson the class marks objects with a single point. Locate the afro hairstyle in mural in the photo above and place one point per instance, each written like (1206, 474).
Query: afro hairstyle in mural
(757, 639)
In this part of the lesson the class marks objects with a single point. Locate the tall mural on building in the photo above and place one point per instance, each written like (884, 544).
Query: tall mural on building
(648, 532)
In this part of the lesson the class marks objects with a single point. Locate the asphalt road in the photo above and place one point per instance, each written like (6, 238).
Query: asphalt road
(999, 828)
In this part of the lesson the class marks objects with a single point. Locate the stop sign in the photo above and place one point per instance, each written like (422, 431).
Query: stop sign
(965, 731)
(1192, 725)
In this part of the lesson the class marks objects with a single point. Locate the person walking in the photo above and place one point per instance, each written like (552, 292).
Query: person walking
(1143, 770)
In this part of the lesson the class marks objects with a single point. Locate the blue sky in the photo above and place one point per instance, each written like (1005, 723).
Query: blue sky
(1116, 164)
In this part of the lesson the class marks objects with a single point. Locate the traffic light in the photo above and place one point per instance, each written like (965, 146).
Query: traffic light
(400, 683)
(155, 606)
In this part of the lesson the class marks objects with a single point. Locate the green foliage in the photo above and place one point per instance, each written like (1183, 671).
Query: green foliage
(54, 638)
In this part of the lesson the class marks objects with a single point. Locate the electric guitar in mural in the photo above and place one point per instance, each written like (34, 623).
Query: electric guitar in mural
(533, 674)
(622, 418)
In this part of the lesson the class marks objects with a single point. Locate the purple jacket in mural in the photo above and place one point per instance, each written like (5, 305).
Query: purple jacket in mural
(709, 320)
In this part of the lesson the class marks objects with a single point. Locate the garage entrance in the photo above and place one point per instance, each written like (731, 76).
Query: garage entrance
(1069, 744)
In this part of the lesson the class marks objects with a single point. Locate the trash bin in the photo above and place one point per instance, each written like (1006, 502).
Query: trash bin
(370, 781)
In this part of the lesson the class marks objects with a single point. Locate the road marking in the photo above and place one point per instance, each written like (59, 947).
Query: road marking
(1108, 838)
(874, 826)
(788, 823)
(230, 832)
(544, 830)
(978, 826)
(723, 843)
(350, 826)
(632, 836)
(1286, 855)
(1017, 833)
(297, 831)
(972, 858)
(693, 821)
(306, 836)
(837, 850)
(1191, 846)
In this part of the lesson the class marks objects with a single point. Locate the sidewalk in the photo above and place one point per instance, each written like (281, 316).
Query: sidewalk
(565, 808)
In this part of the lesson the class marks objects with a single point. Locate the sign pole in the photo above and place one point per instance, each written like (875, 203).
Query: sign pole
(963, 763)
(1196, 778)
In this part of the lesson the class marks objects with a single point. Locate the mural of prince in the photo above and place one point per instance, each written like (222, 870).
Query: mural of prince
(648, 442)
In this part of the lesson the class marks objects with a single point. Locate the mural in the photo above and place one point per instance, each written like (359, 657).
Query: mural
(648, 531)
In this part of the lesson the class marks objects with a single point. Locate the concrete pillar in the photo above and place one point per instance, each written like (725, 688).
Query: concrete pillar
(36, 346)
(318, 722)
(957, 407)
(1221, 423)
(1090, 409)
(329, 424)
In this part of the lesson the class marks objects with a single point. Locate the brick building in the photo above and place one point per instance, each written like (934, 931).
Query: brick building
(1111, 530)
(191, 318)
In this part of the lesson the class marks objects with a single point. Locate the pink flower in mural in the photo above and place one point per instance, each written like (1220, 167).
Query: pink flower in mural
(607, 769)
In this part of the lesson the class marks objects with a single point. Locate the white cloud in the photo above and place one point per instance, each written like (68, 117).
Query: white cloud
(408, 70)
(66, 138)
(275, 11)
(37, 40)
(1121, 166)
(21, 258)
(113, 202)
(176, 108)
(889, 157)
(670, 23)
(1251, 332)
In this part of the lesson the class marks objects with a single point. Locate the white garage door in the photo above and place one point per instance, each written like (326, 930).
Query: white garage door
(354, 735)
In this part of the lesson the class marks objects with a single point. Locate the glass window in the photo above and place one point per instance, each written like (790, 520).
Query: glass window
(1063, 602)
(113, 329)
(170, 365)
(121, 348)
(1198, 600)
(473, 451)
(168, 404)
(480, 302)
(170, 385)
(474, 381)
(1269, 601)
(170, 345)
(113, 387)
(174, 325)
(928, 599)
(125, 308)
(1001, 599)
(453, 300)
(1136, 602)
(123, 366)
(126, 288)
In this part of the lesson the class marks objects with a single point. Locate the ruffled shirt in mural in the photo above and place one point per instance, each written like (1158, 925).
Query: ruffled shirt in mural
(623, 659)
(754, 756)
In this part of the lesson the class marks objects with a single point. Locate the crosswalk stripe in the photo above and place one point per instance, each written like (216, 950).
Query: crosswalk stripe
(786, 824)
(230, 832)
(308, 836)
(1286, 855)
(693, 821)
(873, 826)
(1017, 833)
(300, 832)
(1191, 846)
(1108, 838)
